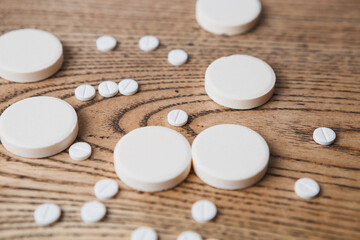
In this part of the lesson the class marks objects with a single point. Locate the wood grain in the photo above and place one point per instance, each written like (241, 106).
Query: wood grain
(314, 48)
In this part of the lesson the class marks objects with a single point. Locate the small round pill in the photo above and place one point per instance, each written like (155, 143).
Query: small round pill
(148, 43)
(203, 211)
(106, 188)
(128, 87)
(46, 214)
(105, 43)
(92, 211)
(307, 188)
(85, 92)
(177, 117)
(144, 233)
(108, 89)
(80, 151)
(324, 136)
(177, 57)
(189, 235)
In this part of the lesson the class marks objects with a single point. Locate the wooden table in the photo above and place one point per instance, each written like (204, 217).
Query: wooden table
(314, 48)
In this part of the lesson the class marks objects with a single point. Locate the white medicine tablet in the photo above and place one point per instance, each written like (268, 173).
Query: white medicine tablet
(46, 214)
(230, 156)
(148, 43)
(80, 151)
(324, 136)
(92, 211)
(106, 188)
(105, 43)
(108, 89)
(307, 188)
(177, 117)
(144, 233)
(128, 87)
(177, 57)
(203, 211)
(85, 92)
(240, 81)
(152, 158)
(229, 17)
(29, 55)
(38, 127)
(189, 235)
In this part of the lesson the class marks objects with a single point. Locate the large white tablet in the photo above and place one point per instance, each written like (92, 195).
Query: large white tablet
(230, 156)
(29, 55)
(38, 127)
(152, 158)
(240, 81)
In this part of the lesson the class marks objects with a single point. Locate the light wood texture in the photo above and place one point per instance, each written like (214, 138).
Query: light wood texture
(314, 48)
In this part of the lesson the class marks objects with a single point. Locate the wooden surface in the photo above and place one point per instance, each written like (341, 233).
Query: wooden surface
(314, 48)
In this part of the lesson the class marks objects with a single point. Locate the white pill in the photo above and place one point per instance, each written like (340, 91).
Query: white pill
(46, 214)
(85, 92)
(177, 117)
(189, 235)
(177, 57)
(148, 43)
(324, 136)
(128, 87)
(92, 211)
(307, 188)
(203, 211)
(80, 151)
(108, 89)
(144, 233)
(105, 43)
(106, 188)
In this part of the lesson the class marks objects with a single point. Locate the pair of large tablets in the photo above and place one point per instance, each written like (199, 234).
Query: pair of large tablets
(224, 156)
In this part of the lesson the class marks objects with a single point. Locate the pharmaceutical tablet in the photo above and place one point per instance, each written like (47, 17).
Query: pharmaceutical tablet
(240, 81)
(189, 235)
(92, 211)
(85, 92)
(128, 87)
(148, 43)
(177, 57)
(177, 117)
(29, 55)
(38, 127)
(106, 188)
(46, 214)
(108, 89)
(152, 158)
(230, 156)
(229, 17)
(80, 151)
(144, 233)
(324, 136)
(203, 211)
(105, 43)
(307, 188)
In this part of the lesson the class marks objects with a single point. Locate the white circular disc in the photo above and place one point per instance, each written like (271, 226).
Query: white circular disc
(38, 127)
(307, 188)
(92, 211)
(85, 92)
(177, 57)
(128, 87)
(148, 43)
(29, 55)
(240, 81)
(144, 233)
(106, 188)
(203, 211)
(324, 136)
(189, 235)
(108, 89)
(46, 214)
(105, 43)
(229, 17)
(177, 117)
(80, 151)
(230, 156)
(152, 158)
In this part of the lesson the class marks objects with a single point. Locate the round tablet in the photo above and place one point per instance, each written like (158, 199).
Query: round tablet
(128, 87)
(105, 43)
(177, 57)
(144, 233)
(189, 235)
(229, 17)
(46, 214)
(307, 188)
(29, 55)
(152, 158)
(85, 92)
(38, 127)
(148, 43)
(106, 188)
(177, 117)
(80, 151)
(203, 211)
(108, 89)
(92, 211)
(230, 156)
(324, 136)
(240, 81)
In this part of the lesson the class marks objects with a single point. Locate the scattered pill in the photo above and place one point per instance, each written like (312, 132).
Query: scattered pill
(108, 89)
(106, 188)
(203, 211)
(144, 233)
(46, 214)
(177, 117)
(80, 151)
(148, 43)
(307, 188)
(85, 92)
(105, 43)
(128, 87)
(189, 235)
(177, 57)
(324, 136)
(92, 212)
